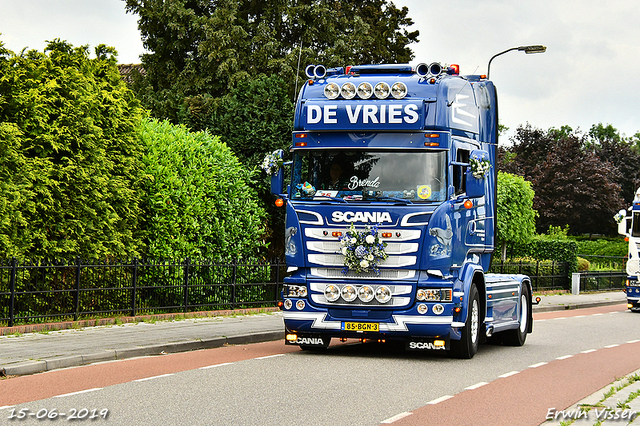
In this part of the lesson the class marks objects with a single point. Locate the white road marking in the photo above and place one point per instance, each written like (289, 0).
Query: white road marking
(588, 351)
(537, 365)
(396, 417)
(442, 398)
(215, 365)
(154, 377)
(564, 357)
(511, 373)
(269, 356)
(476, 386)
(611, 346)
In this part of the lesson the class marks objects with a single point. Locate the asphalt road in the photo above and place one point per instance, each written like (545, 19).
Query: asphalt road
(569, 355)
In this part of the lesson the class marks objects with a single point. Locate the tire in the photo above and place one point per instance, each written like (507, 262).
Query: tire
(518, 336)
(467, 346)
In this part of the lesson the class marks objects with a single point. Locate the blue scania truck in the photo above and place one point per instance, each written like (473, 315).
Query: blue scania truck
(391, 212)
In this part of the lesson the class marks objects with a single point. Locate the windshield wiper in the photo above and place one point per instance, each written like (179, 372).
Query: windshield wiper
(385, 197)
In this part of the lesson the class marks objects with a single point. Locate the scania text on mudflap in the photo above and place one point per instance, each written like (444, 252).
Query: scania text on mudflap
(390, 212)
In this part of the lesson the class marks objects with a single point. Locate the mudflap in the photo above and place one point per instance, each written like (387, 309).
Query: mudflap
(428, 344)
(309, 341)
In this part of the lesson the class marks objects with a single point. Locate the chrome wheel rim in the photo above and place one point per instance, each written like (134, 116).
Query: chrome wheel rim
(523, 313)
(474, 321)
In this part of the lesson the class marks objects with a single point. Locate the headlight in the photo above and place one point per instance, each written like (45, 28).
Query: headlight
(383, 294)
(300, 304)
(348, 90)
(365, 90)
(349, 293)
(331, 90)
(434, 294)
(332, 292)
(288, 304)
(399, 90)
(382, 90)
(366, 293)
(422, 309)
(291, 290)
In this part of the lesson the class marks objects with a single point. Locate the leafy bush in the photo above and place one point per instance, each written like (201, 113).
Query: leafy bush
(583, 264)
(199, 200)
(603, 246)
(542, 248)
(68, 154)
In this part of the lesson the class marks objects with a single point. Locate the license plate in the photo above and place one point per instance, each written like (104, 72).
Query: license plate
(360, 326)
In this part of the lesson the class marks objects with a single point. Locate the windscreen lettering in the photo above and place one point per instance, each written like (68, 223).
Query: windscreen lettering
(365, 114)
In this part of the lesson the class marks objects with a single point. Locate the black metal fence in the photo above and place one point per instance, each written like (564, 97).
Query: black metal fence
(33, 292)
(545, 275)
(602, 280)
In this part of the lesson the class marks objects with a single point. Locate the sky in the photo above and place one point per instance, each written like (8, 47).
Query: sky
(588, 75)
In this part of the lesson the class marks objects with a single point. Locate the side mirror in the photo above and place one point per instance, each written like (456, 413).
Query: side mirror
(475, 187)
(277, 182)
(477, 173)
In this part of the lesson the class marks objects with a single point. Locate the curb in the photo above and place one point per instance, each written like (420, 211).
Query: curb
(39, 366)
(66, 325)
(551, 308)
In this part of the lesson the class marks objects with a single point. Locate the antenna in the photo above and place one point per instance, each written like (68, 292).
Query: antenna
(295, 93)
(463, 86)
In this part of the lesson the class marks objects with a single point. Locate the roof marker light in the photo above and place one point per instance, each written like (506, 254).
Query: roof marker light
(332, 90)
(399, 90)
(365, 90)
(382, 90)
(454, 69)
(348, 90)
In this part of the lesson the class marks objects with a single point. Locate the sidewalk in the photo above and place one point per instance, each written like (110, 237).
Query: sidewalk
(29, 353)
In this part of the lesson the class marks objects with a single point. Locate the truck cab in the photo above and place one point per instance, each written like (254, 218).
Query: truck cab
(390, 212)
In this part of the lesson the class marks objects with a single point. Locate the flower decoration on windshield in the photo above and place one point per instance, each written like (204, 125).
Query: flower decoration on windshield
(479, 166)
(272, 162)
(363, 251)
(619, 216)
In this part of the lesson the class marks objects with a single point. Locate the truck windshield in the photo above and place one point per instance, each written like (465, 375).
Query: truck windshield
(416, 176)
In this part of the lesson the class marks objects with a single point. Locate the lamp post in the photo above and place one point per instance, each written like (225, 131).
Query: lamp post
(526, 49)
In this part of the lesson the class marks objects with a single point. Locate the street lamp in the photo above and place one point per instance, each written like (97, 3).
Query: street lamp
(526, 49)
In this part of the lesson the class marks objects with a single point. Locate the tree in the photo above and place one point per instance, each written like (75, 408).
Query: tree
(69, 164)
(607, 143)
(515, 214)
(204, 47)
(572, 185)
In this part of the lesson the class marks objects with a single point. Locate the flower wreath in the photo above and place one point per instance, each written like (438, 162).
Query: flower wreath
(363, 250)
(272, 162)
(479, 166)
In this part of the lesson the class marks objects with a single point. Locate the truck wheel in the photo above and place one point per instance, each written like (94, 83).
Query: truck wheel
(518, 336)
(467, 346)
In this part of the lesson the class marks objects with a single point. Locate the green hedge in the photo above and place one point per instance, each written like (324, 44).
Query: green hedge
(603, 246)
(200, 202)
(543, 248)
